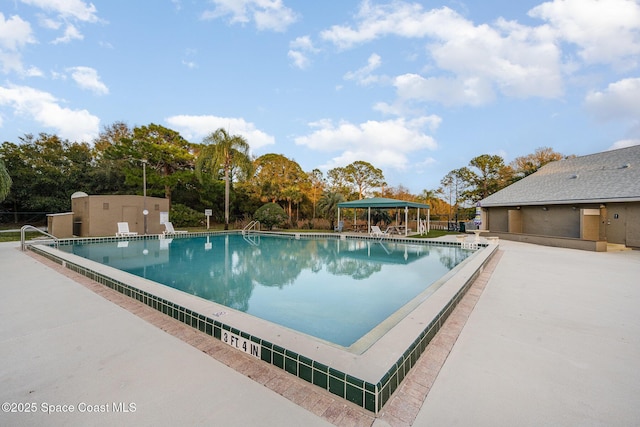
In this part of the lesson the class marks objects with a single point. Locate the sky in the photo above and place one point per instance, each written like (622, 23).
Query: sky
(416, 88)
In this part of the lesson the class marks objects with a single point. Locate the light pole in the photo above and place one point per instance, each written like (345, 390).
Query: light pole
(145, 212)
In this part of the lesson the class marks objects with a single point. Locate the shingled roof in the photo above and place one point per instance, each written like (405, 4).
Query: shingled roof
(611, 176)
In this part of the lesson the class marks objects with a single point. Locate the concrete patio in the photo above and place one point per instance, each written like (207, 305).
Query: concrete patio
(554, 339)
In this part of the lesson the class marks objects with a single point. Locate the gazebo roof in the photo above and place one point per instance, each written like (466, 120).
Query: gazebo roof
(381, 202)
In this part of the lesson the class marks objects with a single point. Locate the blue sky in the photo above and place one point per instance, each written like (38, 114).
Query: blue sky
(415, 88)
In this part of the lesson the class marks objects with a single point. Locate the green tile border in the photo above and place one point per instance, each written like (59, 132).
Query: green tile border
(371, 397)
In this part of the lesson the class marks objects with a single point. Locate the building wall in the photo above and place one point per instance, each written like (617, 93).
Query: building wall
(496, 219)
(623, 223)
(633, 225)
(60, 225)
(99, 215)
(556, 220)
(612, 222)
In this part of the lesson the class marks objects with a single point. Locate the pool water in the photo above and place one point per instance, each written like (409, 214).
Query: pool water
(332, 289)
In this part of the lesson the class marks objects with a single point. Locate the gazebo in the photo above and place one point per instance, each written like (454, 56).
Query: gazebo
(384, 203)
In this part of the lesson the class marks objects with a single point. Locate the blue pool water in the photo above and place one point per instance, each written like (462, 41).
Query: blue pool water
(336, 290)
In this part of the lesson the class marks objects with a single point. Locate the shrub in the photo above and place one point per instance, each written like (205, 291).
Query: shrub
(184, 216)
(270, 215)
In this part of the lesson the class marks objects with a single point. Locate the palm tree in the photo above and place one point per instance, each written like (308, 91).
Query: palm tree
(224, 152)
(328, 205)
(5, 181)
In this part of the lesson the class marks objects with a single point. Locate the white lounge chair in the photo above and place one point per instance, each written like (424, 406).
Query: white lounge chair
(123, 230)
(375, 231)
(170, 230)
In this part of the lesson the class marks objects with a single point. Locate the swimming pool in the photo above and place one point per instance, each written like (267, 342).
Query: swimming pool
(366, 373)
(332, 289)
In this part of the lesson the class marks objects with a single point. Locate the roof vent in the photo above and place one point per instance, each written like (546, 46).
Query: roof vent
(574, 176)
(625, 166)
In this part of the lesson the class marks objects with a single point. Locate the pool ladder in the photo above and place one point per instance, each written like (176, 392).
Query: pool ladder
(253, 225)
(23, 243)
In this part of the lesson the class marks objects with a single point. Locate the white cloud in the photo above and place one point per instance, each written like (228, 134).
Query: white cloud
(605, 31)
(474, 61)
(65, 12)
(624, 143)
(621, 100)
(300, 60)
(88, 78)
(267, 14)
(44, 108)
(15, 33)
(375, 21)
(70, 33)
(298, 50)
(518, 61)
(364, 76)
(381, 143)
(473, 91)
(303, 43)
(197, 127)
(68, 9)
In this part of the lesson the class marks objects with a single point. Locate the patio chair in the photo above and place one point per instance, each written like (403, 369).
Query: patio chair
(339, 227)
(375, 231)
(123, 230)
(169, 230)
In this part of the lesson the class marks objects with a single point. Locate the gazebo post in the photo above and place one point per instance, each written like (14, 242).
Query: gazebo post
(406, 221)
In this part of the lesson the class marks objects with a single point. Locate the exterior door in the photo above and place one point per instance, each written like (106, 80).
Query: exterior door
(616, 223)
(130, 215)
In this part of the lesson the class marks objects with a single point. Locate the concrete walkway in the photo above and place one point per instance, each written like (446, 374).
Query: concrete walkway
(553, 340)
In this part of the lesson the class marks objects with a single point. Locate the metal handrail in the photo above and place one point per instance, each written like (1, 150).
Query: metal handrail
(32, 228)
(252, 225)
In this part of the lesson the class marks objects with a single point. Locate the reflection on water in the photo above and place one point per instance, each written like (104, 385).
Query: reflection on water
(336, 290)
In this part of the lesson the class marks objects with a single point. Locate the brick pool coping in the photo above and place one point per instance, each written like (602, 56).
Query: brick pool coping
(402, 407)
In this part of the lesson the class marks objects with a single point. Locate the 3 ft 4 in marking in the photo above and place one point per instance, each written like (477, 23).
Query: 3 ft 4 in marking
(243, 344)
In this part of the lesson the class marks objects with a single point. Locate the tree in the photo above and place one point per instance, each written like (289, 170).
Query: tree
(337, 182)
(363, 176)
(526, 165)
(317, 185)
(453, 187)
(110, 135)
(270, 214)
(493, 176)
(5, 181)
(380, 216)
(45, 171)
(224, 152)
(328, 205)
(437, 206)
(278, 178)
(168, 156)
(109, 175)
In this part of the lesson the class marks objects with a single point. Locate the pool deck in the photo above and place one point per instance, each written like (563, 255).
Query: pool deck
(550, 337)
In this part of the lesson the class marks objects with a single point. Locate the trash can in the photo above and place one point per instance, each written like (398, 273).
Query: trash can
(462, 227)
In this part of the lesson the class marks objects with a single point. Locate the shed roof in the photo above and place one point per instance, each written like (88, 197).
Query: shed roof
(610, 176)
(381, 202)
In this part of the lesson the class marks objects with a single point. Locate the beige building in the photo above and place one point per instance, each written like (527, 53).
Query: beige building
(99, 215)
(584, 202)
